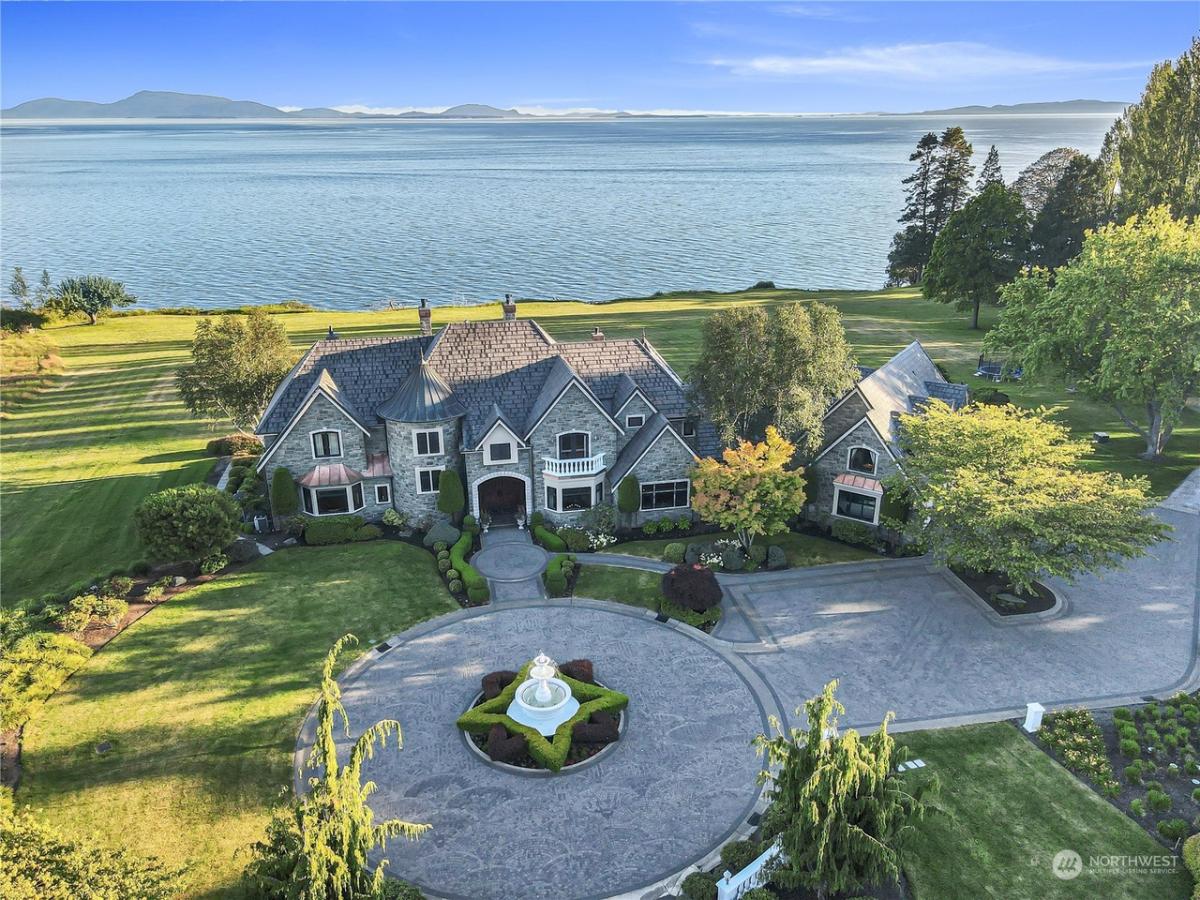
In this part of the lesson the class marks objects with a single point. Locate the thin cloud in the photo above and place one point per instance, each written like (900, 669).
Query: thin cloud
(840, 13)
(918, 62)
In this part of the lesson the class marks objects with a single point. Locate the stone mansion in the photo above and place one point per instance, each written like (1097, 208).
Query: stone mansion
(531, 424)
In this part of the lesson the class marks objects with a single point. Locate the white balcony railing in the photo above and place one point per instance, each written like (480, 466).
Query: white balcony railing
(587, 465)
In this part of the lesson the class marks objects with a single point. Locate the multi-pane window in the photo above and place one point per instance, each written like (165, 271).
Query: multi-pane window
(332, 501)
(573, 445)
(664, 494)
(429, 443)
(862, 459)
(428, 480)
(853, 505)
(326, 444)
(576, 498)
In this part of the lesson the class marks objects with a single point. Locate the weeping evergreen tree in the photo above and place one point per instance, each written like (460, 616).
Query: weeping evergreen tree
(317, 848)
(840, 810)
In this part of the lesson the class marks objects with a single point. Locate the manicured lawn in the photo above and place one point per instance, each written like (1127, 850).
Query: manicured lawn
(801, 549)
(630, 586)
(78, 458)
(1008, 809)
(202, 700)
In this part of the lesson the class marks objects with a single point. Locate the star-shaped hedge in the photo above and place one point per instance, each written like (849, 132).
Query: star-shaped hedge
(551, 753)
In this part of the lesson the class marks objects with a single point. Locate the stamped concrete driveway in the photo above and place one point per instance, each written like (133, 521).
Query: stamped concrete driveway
(902, 636)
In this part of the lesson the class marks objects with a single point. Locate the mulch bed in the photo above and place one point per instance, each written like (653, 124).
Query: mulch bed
(988, 585)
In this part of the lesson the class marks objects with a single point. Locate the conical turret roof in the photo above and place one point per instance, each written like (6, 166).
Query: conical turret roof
(423, 397)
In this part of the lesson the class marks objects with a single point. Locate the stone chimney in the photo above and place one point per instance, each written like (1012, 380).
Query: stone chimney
(424, 314)
(597, 334)
(510, 308)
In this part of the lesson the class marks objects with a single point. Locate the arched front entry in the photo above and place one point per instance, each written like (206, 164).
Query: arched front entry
(501, 496)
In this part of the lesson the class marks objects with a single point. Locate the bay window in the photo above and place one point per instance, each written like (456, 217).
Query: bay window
(332, 501)
(857, 506)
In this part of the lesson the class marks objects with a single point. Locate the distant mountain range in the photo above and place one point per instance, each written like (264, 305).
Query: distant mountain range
(171, 105)
(1054, 107)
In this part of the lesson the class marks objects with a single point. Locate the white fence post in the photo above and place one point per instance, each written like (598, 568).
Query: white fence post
(731, 887)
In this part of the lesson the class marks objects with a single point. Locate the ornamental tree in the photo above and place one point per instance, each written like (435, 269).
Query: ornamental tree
(1001, 490)
(91, 295)
(839, 808)
(237, 362)
(750, 492)
(980, 249)
(1121, 322)
(284, 499)
(451, 499)
(187, 523)
(318, 846)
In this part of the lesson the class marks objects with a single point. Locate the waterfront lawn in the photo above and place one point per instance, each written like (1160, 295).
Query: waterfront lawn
(1006, 809)
(801, 549)
(79, 456)
(632, 587)
(202, 699)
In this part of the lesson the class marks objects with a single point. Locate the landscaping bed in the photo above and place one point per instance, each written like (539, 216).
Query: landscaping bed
(597, 724)
(1144, 759)
(696, 605)
(996, 591)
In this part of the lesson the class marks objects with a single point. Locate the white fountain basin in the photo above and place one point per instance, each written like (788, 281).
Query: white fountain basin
(543, 705)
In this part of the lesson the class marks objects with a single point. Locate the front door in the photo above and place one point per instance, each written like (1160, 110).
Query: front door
(501, 498)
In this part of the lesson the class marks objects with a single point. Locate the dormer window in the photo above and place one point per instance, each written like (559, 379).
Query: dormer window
(635, 421)
(428, 442)
(573, 445)
(501, 451)
(326, 444)
(689, 428)
(862, 459)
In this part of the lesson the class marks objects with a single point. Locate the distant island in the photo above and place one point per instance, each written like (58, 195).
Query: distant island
(173, 105)
(1058, 107)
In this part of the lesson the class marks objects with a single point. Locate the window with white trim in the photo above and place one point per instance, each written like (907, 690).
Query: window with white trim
(500, 451)
(635, 421)
(861, 459)
(326, 444)
(664, 494)
(576, 498)
(383, 493)
(551, 497)
(428, 480)
(333, 501)
(689, 428)
(573, 445)
(853, 505)
(428, 442)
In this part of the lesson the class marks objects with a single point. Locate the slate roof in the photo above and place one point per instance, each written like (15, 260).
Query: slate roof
(424, 397)
(512, 365)
(947, 391)
(901, 385)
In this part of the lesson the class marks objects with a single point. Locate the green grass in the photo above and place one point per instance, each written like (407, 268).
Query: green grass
(1008, 809)
(629, 586)
(801, 549)
(77, 458)
(202, 699)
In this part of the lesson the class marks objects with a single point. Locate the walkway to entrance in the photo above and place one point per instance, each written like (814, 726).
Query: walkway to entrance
(512, 564)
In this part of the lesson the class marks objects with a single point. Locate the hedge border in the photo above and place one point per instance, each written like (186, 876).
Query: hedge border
(550, 753)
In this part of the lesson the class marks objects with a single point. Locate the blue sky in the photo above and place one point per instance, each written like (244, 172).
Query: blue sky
(760, 57)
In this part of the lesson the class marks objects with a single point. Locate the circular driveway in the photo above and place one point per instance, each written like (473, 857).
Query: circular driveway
(511, 561)
(680, 781)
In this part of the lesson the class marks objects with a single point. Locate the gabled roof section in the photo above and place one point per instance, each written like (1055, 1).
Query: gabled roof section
(326, 385)
(954, 395)
(423, 397)
(558, 379)
(889, 388)
(495, 416)
(641, 442)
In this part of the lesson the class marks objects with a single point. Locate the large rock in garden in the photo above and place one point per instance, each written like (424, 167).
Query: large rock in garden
(442, 531)
(776, 558)
(242, 551)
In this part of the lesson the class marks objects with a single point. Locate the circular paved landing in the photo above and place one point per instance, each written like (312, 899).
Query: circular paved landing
(511, 561)
(677, 784)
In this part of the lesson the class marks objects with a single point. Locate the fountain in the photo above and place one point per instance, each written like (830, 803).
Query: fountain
(543, 701)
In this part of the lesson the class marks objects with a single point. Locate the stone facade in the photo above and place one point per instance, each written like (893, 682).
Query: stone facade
(820, 474)
(405, 463)
(477, 472)
(666, 460)
(838, 420)
(635, 406)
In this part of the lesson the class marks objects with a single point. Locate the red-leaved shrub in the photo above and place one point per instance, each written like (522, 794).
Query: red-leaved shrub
(692, 586)
(502, 748)
(495, 682)
(602, 729)
(580, 670)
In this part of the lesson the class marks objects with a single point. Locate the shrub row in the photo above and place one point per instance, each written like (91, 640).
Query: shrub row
(234, 445)
(855, 533)
(476, 584)
(557, 574)
(549, 539)
(667, 525)
(339, 530)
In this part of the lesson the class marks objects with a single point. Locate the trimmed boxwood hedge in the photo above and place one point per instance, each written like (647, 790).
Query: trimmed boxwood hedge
(476, 584)
(551, 753)
(549, 539)
(710, 616)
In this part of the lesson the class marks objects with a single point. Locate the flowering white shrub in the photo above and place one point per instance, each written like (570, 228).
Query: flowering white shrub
(721, 543)
(712, 560)
(598, 540)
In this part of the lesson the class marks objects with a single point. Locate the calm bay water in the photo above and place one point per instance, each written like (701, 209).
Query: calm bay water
(351, 214)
